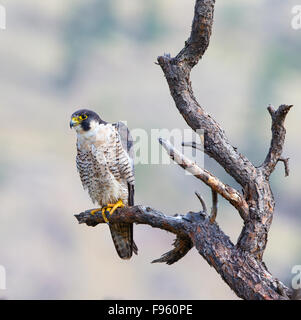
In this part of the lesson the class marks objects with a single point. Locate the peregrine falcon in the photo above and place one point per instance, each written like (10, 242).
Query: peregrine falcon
(105, 162)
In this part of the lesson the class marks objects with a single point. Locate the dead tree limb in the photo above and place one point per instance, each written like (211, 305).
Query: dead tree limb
(229, 193)
(286, 165)
(254, 181)
(194, 145)
(202, 202)
(278, 137)
(244, 274)
(240, 265)
(214, 206)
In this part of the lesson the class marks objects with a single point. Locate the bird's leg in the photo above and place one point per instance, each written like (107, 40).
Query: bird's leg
(118, 204)
(106, 209)
(103, 211)
(109, 205)
(109, 208)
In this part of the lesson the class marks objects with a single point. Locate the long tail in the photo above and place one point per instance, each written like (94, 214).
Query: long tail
(122, 235)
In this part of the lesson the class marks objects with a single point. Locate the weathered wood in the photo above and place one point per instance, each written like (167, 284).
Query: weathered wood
(254, 181)
(245, 275)
(278, 136)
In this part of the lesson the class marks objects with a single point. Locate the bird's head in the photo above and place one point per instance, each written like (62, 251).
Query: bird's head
(84, 120)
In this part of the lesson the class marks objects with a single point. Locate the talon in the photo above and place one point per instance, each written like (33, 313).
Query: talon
(118, 204)
(108, 209)
(103, 212)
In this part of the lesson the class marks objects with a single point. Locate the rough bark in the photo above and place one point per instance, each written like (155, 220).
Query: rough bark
(254, 181)
(244, 274)
(240, 265)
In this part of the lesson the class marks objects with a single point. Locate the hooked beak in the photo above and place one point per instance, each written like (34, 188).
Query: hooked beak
(74, 122)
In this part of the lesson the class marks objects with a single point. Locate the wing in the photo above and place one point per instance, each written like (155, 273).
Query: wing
(122, 233)
(128, 146)
(126, 140)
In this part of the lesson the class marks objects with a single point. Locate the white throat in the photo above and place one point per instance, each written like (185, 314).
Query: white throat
(99, 133)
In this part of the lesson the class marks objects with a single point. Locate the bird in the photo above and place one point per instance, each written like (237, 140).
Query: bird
(105, 162)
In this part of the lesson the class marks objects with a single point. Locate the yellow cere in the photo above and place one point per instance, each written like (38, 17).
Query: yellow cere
(80, 118)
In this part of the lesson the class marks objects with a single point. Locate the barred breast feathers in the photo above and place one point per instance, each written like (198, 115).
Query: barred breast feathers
(104, 166)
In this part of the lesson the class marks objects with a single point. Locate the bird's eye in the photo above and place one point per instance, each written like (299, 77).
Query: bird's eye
(83, 117)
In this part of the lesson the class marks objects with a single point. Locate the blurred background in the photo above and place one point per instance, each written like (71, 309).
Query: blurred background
(57, 56)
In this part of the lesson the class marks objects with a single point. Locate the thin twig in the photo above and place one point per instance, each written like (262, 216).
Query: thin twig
(193, 145)
(214, 206)
(202, 202)
(286, 165)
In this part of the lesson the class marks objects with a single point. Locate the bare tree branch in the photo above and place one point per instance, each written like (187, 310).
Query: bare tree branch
(177, 73)
(286, 165)
(182, 246)
(200, 35)
(138, 215)
(202, 202)
(254, 181)
(229, 193)
(214, 206)
(278, 136)
(242, 272)
(194, 145)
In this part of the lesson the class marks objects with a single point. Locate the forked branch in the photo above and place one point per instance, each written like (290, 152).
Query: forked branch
(278, 136)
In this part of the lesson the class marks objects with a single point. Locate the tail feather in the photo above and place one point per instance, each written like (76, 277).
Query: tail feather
(122, 235)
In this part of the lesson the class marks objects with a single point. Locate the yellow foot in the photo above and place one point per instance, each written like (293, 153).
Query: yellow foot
(109, 208)
(118, 204)
(103, 211)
